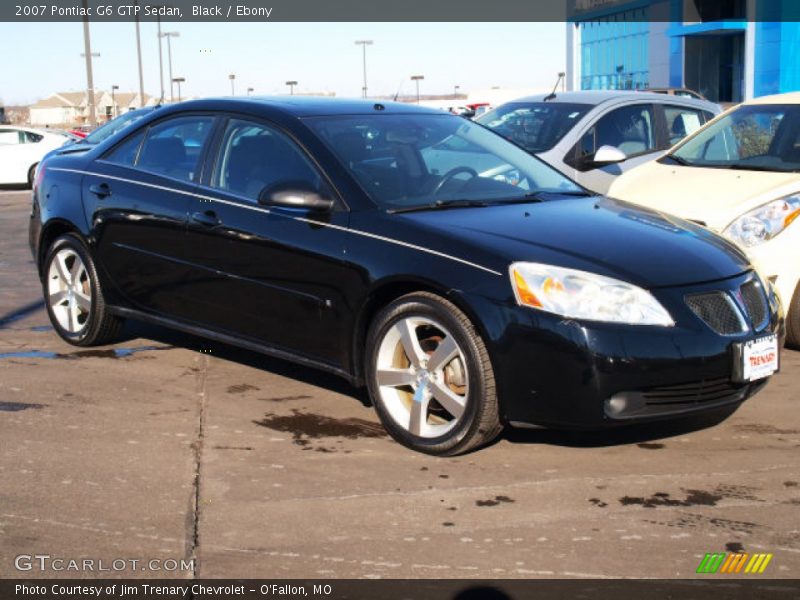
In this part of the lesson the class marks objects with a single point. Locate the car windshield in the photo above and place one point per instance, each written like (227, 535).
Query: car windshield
(536, 126)
(113, 126)
(762, 137)
(411, 160)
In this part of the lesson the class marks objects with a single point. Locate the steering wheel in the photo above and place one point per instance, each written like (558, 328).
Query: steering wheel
(452, 173)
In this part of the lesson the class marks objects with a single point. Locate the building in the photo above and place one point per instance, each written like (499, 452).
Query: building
(71, 108)
(728, 50)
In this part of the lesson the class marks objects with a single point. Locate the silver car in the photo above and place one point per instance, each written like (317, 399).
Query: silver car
(594, 136)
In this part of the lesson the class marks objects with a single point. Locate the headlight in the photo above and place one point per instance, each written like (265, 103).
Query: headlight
(582, 295)
(765, 222)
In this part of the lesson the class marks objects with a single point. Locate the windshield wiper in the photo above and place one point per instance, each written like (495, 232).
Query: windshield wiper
(440, 205)
(537, 195)
(681, 161)
(746, 167)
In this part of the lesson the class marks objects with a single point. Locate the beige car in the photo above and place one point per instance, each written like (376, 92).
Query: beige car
(739, 175)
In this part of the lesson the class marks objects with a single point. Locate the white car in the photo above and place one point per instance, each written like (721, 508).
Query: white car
(594, 136)
(740, 176)
(21, 149)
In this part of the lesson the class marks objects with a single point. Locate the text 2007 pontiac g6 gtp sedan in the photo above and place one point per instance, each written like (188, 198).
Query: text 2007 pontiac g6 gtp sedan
(466, 283)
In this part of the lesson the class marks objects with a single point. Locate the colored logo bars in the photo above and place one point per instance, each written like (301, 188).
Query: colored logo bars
(734, 562)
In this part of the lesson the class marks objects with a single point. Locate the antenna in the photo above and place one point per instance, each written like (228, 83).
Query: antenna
(552, 94)
(400, 87)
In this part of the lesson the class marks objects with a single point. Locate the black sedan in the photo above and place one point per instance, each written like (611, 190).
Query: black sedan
(467, 284)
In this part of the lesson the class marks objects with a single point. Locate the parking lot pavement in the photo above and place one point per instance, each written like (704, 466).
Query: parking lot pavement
(168, 447)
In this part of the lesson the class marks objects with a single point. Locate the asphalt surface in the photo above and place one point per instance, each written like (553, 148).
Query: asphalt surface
(165, 446)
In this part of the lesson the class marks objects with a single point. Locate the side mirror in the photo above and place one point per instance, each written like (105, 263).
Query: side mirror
(608, 155)
(295, 194)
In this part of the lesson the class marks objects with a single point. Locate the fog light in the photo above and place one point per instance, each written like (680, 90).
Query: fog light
(616, 405)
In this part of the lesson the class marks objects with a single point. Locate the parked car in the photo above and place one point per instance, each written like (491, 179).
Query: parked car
(375, 241)
(592, 136)
(21, 149)
(684, 92)
(739, 176)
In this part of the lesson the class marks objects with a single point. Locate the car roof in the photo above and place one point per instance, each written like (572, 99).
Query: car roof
(596, 97)
(788, 98)
(34, 129)
(306, 106)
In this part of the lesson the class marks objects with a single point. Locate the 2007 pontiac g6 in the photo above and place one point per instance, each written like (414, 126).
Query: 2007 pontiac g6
(464, 282)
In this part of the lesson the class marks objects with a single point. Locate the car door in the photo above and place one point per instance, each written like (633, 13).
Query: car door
(630, 128)
(137, 197)
(269, 273)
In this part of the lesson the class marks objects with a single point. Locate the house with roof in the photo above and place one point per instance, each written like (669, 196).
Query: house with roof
(72, 108)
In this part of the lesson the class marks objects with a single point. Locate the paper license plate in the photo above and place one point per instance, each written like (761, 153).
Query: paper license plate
(757, 358)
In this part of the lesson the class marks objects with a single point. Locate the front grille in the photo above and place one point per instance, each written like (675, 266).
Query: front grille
(684, 398)
(709, 390)
(755, 302)
(717, 310)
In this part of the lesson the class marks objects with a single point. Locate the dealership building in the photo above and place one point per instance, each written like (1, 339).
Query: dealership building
(728, 51)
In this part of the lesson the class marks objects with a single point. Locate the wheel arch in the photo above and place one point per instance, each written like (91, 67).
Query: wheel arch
(387, 291)
(51, 231)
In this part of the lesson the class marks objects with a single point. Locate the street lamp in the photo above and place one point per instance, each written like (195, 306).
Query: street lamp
(114, 110)
(455, 90)
(139, 56)
(232, 77)
(364, 44)
(417, 79)
(291, 85)
(169, 35)
(179, 81)
(250, 90)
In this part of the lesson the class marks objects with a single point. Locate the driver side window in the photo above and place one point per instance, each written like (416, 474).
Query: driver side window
(254, 156)
(629, 129)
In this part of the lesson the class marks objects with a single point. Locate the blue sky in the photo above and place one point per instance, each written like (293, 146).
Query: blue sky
(41, 58)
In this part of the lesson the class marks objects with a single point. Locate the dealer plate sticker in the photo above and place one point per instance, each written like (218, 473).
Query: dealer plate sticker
(760, 358)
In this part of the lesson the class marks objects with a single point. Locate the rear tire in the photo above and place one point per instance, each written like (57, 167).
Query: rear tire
(430, 378)
(73, 295)
(793, 320)
(31, 175)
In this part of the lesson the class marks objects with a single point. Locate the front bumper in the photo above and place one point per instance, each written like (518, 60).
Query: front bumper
(563, 373)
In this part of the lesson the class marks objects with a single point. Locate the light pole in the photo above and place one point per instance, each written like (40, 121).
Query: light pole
(416, 79)
(114, 110)
(232, 77)
(160, 60)
(455, 90)
(87, 44)
(179, 81)
(250, 90)
(139, 56)
(364, 44)
(291, 85)
(169, 35)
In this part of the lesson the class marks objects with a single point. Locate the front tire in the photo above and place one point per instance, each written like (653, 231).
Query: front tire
(793, 320)
(73, 295)
(430, 377)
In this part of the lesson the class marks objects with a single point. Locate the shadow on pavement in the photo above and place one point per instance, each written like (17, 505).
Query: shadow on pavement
(284, 368)
(642, 433)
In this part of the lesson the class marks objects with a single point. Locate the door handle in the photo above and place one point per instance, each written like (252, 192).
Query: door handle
(101, 190)
(208, 218)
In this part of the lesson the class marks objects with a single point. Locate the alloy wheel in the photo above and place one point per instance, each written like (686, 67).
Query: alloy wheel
(69, 290)
(421, 375)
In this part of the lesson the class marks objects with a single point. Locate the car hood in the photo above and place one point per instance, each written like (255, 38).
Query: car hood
(714, 197)
(596, 234)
